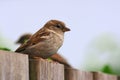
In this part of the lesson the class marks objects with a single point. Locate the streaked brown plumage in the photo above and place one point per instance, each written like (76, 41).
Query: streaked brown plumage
(46, 41)
(55, 57)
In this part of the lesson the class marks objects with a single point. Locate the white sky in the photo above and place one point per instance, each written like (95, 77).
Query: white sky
(86, 18)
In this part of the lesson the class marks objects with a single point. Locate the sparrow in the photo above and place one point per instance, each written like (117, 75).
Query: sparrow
(55, 57)
(46, 41)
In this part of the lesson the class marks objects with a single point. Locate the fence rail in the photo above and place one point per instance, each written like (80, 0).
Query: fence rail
(18, 67)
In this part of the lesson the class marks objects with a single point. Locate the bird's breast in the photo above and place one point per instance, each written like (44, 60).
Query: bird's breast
(55, 41)
(47, 47)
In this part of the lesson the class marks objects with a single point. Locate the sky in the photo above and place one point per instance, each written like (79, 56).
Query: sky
(87, 19)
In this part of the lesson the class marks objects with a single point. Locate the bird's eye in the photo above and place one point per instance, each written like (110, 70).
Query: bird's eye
(58, 26)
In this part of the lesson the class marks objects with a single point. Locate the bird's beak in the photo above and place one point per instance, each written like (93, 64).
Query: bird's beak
(66, 29)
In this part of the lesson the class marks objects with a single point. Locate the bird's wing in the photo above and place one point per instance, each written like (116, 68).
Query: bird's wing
(39, 36)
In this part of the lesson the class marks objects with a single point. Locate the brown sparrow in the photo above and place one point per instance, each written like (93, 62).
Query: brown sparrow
(46, 41)
(55, 57)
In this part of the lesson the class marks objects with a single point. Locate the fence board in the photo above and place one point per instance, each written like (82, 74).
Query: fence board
(74, 74)
(45, 70)
(102, 76)
(84, 75)
(13, 66)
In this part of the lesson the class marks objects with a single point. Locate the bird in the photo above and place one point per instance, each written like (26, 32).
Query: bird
(55, 57)
(46, 41)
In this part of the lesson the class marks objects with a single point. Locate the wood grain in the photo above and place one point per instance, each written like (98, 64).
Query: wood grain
(45, 70)
(102, 76)
(13, 66)
(16, 66)
(74, 74)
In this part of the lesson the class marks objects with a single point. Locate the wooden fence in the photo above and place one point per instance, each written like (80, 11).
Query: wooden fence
(17, 67)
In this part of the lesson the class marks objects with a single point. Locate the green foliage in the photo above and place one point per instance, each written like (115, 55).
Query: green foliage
(5, 49)
(102, 50)
(49, 59)
(107, 69)
(7, 44)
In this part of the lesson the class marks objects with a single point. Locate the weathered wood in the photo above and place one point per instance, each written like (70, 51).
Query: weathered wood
(41, 69)
(84, 75)
(74, 74)
(118, 78)
(102, 76)
(13, 66)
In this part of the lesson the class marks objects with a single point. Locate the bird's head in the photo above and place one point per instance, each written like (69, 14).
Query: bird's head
(57, 26)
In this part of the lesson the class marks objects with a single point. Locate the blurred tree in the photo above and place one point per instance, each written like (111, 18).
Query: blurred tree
(103, 50)
(107, 69)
